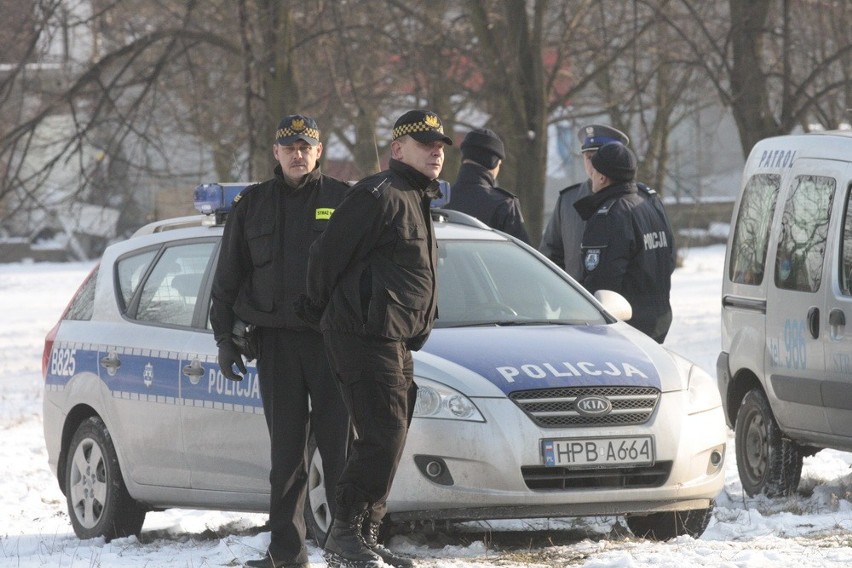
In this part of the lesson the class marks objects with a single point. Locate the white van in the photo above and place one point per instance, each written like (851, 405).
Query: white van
(785, 370)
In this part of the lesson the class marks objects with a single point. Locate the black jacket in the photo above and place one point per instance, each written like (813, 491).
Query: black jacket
(474, 193)
(264, 256)
(373, 269)
(628, 247)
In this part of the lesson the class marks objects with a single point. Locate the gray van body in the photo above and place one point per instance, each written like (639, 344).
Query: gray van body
(786, 301)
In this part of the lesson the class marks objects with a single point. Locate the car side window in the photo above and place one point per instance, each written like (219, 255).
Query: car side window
(171, 291)
(129, 273)
(846, 248)
(804, 230)
(751, 233)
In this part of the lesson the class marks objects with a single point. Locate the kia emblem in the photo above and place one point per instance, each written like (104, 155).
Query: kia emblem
(591, 405)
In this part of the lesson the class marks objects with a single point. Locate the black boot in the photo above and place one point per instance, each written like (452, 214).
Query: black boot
(370, 531)
(345, 547)
(268, 562)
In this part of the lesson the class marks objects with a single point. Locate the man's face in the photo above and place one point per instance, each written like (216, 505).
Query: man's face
(426, 158)
(297, 159)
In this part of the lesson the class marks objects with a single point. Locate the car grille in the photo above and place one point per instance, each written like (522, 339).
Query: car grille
(544, 478)
(554, 408)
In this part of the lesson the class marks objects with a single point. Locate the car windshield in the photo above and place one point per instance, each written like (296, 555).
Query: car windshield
(501, 283)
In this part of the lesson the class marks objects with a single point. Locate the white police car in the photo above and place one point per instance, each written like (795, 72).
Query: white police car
(534, 401)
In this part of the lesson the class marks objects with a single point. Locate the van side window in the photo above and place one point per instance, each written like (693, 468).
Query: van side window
(804, 229)
(846, 249)
(751, 234)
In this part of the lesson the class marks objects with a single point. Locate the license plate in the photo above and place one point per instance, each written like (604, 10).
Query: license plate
(599, 452)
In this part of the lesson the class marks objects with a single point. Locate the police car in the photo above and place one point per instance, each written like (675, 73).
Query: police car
(534, 399)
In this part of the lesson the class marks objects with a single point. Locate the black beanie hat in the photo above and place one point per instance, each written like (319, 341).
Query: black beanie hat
(616, 161)
(484, 147)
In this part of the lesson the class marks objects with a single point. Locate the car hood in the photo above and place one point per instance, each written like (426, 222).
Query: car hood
(534, 357)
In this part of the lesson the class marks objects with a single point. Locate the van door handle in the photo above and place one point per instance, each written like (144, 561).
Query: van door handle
(837, 322)
(813, 322)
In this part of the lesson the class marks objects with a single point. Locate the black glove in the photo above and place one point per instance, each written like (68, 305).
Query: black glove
(306, 310)
(228, 357)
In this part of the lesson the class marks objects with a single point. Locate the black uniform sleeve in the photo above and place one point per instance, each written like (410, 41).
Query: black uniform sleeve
(232, 270)
(351, 233)
(513, 220)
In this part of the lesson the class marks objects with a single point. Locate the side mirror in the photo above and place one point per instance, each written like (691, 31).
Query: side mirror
(615, 303)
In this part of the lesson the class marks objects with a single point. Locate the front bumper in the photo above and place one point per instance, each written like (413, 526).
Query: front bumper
(484, 461)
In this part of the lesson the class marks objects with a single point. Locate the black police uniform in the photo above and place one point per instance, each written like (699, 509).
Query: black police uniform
(476, 194)
(372, 276)
(628, 247)
(260, 273)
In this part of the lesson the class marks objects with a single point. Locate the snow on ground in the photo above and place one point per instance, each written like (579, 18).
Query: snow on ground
(810, 530)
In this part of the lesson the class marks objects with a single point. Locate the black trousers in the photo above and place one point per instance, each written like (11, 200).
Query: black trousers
(377, 381)
(293, 370)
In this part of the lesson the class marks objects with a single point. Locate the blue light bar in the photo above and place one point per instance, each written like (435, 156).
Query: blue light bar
(216, 198)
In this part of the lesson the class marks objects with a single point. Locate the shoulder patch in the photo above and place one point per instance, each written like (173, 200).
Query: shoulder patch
(379, 189)
(571, 187)
(604, 209)
(505, 192)
(645, 189)
(243, 193)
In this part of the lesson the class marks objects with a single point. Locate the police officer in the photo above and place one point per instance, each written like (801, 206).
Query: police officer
(261, 272)
(564, 232)
(371, 278)
(475, 192)
(628, 244)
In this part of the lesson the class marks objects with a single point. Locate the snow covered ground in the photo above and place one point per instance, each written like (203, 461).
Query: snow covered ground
(810, 530)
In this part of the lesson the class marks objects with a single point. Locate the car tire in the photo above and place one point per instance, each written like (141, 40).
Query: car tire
(318, 516)
(666, 526)
(98, 501)
(767, 463)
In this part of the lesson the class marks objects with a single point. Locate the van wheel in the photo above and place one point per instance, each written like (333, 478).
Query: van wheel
(666, 526)
(767, 463)
(98, 501)
(318, 516)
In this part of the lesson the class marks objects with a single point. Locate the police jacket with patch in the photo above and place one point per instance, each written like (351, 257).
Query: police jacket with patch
(474, 193)
(628, 248)
(264, 255)
(373, 269)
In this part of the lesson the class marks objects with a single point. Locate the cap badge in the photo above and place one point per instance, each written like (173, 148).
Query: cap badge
(298, 124)
(590, 131)
(432, 121)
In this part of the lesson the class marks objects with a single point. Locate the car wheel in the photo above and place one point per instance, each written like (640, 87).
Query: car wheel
(98, 501)
(318, 516)
(767, 463)
(666, 526)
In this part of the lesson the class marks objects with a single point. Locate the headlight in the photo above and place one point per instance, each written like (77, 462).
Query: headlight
(435, 400)
(703, 394)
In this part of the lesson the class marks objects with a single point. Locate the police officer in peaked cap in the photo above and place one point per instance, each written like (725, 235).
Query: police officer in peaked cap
(475, 191)
(379, 246)
(260, 274)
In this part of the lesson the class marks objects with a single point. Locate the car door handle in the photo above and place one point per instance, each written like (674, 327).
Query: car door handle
(193, 369)
(111, 361)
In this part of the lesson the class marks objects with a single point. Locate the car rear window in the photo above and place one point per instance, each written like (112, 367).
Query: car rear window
(83, 304)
